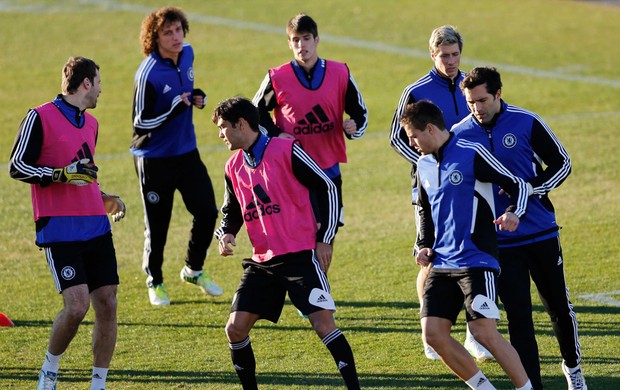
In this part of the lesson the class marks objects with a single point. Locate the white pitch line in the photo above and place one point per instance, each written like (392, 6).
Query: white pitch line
(604, 298)
(111, 5)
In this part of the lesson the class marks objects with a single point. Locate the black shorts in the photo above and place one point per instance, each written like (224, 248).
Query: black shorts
(446, 291)
(263, 287)
(91, 262)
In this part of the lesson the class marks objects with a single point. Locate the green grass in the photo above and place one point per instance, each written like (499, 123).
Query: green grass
(373, 276)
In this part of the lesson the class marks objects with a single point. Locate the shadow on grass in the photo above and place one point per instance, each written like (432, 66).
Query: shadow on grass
(293, 380)
(26, 376)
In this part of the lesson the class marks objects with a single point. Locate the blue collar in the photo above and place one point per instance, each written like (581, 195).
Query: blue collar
(71, 112)
(313, 79)
(254, 155)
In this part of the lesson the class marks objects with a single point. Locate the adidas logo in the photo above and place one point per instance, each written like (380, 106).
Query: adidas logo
(316, 122)
(341, 365)
(559, 260)
(167, 88)
(484, 306)
(481, 381)
(261, 205)
(238, 368)
(96, 376)
(321, 298)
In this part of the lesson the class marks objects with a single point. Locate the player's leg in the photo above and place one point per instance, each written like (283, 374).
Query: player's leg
(102, 282)
(104, 332)
(429, 352)
(325, 327)
(454, 355)
(479, 288)
(485, 331)
(238, 333)
(197, 191)
(514, 292)
(309, 291)
(258, 296)
(157, 188)
(548, 275)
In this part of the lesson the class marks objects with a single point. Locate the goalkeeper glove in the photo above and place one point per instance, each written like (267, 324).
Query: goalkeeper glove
(79, 173)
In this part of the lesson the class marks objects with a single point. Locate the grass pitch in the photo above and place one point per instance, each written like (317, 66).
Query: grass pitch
(558, 58)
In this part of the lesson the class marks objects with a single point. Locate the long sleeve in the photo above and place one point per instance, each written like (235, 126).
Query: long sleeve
(398, 138)
(26, 152)
(265, 101)
(311, 176)
(488, 169)
(426, 230)
(356, 108)
(232, 218)
(145, 117)
(548, 148)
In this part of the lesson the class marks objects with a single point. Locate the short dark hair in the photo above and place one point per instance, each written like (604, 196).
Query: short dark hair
(75, 70)
(156, 20)
(235, 108)
(302, 23)
(483, 75)
(421, 113)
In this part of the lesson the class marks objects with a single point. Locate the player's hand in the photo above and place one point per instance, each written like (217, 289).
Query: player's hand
(349, 126)
(199, 98)
(114, 206)
(185, 98)
(225, 244)
(324, 254)
(79, 173)
(424, 257)
(507, 221)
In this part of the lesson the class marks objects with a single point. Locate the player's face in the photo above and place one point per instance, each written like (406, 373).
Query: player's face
(93, 93)
(482, 104)
(420, 140)
(231, 134)
(447, 60)
(170, 40)
(303, 46)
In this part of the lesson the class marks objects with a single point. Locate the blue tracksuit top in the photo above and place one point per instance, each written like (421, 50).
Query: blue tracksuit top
(446, 95)
(159, 114)
(457, 204)
(522, 141)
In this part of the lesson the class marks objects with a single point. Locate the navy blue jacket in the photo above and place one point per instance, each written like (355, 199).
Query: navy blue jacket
(521, 140)
(456, 204)
(162, 123)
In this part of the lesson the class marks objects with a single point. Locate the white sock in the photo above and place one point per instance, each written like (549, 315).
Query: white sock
(51, 362)
(479, 382)
(526, 386)
(191, 272)
(98, 378)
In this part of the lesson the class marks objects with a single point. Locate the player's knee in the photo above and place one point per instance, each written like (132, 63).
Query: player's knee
(235, 333)
(322, 322)
(76, 311)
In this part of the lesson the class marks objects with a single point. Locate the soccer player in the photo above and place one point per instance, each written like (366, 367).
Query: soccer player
(522, 140)
(457, 236)
(165, 150)
(309, 97)
(268, 183)
(441, 86)
(54, 152)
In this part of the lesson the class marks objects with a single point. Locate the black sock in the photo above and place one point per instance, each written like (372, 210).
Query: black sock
(243, 360)
(343, 356)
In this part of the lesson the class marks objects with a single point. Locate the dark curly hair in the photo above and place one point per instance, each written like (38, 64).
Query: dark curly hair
(156, 20)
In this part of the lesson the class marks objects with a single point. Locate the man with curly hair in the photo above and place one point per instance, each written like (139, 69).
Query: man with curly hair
(165, 150)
